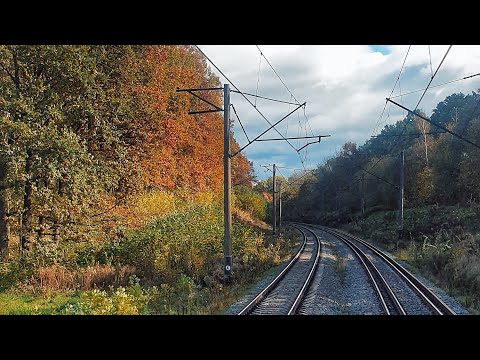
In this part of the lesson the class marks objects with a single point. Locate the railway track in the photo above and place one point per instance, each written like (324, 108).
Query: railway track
(285, 293)
(394, 285)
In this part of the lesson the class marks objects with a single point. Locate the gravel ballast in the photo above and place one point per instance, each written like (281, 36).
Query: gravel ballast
(342, 287)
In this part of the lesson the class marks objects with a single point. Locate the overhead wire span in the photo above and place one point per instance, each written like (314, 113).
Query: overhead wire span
(258, 79)
(431, 87)
(265, 98)
(430, 54)
(265, 131)
(235, 111)
(245, 97)
(291, 94)
(433, 76)
(268, 62)
(391, 93)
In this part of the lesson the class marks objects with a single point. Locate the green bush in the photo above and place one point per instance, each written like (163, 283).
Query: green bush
(188, 242)
(15, 271)
(132, 300)
(251, 202)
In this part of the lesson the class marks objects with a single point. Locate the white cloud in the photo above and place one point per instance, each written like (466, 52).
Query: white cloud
(344, 86)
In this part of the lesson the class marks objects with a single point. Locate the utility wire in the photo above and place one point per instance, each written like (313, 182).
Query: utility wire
(286, 87)
(266, 98)
(426, 89)
(378, 177)
(401, 97)
(294, 138)
(281, 173)
(415, 135)
(286, 124)
(235, 111)
(241, 93)
(267, 167)
(470, 117)
(289, 168)
(307, 151)
(286, 178)
(430, 54)
(433, 76)
(301, 177)
(391, 93)
(431, 87)
(308, 120)
(258, 79)
(441, 127)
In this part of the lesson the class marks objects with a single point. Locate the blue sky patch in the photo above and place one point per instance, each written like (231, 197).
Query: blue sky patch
(380, 48)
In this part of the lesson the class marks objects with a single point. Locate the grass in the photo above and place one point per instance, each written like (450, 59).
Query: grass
(340, 265)
(12, 303)
(181, 298)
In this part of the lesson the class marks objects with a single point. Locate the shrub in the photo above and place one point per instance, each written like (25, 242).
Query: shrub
(132, 300)
(157, 203)
(14, 271)
(190, 243)
(250, 201)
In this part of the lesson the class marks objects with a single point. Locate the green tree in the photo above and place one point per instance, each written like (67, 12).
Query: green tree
(62, 115)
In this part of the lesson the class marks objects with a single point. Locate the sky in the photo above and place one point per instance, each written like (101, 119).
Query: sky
(344, 87)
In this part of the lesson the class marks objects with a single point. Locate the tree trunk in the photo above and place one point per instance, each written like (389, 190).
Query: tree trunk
(27, 204)
(56, 226)
(4, 225)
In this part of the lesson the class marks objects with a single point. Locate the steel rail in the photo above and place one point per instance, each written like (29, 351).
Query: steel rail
(253, 304)
(376, 278)
(437, 305)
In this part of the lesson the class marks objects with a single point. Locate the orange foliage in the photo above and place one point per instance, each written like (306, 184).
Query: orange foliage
(175, 149)
(241, 168)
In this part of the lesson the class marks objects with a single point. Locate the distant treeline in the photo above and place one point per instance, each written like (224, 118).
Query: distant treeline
(439, 168)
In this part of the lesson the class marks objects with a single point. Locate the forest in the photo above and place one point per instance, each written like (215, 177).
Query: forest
(359, 189)
(110, 192)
